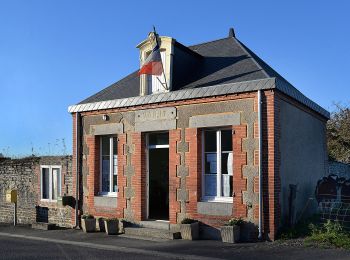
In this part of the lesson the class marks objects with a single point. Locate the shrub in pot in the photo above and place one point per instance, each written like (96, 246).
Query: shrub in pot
(230, 233)
(189, 229)
(111, 226)
(88, 223)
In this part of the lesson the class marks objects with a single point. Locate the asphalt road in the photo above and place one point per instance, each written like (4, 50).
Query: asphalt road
(22, 248)
(16, 248)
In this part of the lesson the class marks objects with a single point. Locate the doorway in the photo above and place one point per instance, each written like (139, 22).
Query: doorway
(158, 176)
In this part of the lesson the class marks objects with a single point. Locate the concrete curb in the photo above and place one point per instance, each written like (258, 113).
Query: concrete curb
(111, 248)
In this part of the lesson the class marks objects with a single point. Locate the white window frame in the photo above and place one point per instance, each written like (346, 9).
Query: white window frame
(59, 185)
(218, 197)
(111, 167)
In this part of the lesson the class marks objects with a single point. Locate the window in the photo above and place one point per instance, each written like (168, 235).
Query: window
(50, 182)
(217, 165)
(109, 165)
(157, 83)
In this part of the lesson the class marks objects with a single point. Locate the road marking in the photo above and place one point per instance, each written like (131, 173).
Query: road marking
(112, 248)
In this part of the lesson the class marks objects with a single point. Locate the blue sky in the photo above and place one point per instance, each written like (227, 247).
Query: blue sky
(55, 53)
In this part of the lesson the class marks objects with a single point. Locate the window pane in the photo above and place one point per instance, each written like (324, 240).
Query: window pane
(115, 181)
(226, 185)
(210, 141)
(210, 184)
(210, 163)
(105, 145)
(115, 173)
(55, 183)
(45, 183)
(159, 139)
(105, 163)
(226, 140)
(226, 163)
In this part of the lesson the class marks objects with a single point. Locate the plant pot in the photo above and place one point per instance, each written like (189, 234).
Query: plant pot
(111, 227)
(100, 225)
(189, 231)
(230, 234)
(88, 225)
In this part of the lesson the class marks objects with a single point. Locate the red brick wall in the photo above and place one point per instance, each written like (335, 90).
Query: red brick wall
(121, 175)
(239, 160)
(271, 181)
(270, 164)
(93, 180)
(138, 180)
(174, 181)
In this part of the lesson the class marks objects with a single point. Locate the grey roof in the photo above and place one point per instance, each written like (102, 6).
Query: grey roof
(218, 63)
(190, 93)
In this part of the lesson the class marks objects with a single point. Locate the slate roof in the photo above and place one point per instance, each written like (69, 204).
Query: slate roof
(219, 62)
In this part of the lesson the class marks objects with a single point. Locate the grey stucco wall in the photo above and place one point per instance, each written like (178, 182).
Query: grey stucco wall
(303, 158)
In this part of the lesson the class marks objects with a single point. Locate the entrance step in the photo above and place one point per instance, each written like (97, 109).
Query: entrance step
(43, 226)
(151, 233)
(158, 224)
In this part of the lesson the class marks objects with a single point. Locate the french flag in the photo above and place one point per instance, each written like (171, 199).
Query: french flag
(153, 64)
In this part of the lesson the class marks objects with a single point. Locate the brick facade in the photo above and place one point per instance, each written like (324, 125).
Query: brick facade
(185, 162)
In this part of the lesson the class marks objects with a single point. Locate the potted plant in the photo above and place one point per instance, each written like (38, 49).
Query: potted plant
(230, 233)
(88, 223)
(111, 226)
(189, 229)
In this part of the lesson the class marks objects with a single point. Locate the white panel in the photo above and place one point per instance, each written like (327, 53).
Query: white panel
(153, 84)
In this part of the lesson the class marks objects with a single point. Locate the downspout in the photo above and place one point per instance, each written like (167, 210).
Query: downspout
(260, 166)
(77, 170)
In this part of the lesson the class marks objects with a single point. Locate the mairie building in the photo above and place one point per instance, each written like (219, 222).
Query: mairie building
(219, 134)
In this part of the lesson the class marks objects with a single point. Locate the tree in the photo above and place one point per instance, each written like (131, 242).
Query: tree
(338, 134)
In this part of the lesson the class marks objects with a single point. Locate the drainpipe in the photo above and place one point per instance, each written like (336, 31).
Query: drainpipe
(260, 165)
(77, 170)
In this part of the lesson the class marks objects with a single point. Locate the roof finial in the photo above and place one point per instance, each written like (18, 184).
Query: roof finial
(231, 33)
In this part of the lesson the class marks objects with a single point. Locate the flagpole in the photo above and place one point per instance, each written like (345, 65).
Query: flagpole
(166, 84)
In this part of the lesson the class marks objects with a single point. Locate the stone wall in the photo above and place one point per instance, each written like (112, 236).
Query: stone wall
(24, 176)
(340, 169)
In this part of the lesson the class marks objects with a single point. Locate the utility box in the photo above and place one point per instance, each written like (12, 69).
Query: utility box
(65, 201)
(11, 196)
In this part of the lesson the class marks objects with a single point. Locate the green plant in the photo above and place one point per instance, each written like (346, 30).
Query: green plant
(87, 216)
(188, 221)
(110, 219)
(330, 233)
(235, 222)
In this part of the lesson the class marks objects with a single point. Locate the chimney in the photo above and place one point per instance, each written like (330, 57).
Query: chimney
(231, 33)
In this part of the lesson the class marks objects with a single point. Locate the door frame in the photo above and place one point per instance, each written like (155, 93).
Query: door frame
(147, 166)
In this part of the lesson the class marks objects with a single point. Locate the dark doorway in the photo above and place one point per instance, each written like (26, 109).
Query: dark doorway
(158, 182)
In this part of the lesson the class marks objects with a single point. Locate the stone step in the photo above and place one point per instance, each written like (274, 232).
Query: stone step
(43, 226)
(158, 224)
(151, 232)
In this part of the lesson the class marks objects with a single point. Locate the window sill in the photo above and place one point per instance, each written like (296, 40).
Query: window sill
(105, 201)
(112, 195)
(215, 199)
(48, 200)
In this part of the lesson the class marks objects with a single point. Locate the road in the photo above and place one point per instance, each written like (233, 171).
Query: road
(23, 248)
